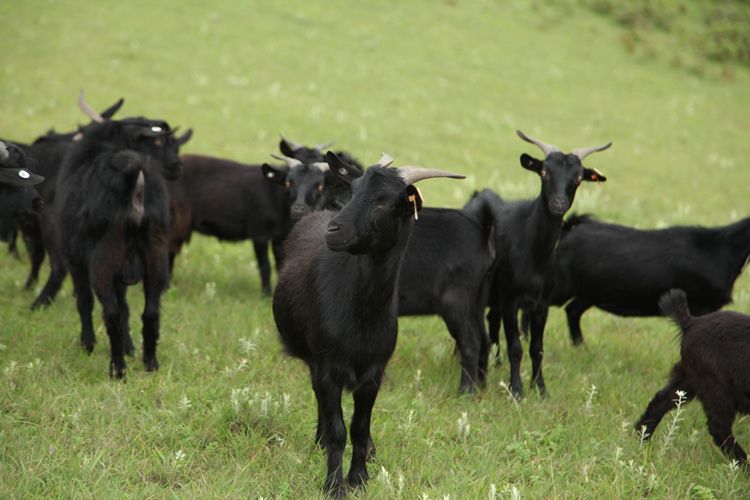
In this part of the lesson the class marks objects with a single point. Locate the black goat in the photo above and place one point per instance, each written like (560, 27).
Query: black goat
(310, 184)
(447, 271)
(449, 255)
(112, 220)
(52, 150)
(525, 238)
(19, 201)
(624, 271)
(47, 152)
(336, 304)
(714, 367)
(232, 202)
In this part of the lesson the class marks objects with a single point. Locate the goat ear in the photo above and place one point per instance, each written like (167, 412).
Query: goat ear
(531, 163)
(273, 174)
(413, 191)
(593, 175)
(286, 148)
(341, 170)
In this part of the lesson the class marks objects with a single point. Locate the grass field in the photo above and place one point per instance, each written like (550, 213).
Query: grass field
(441, 84)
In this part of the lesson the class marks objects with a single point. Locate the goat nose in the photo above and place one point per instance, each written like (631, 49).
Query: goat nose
(558, 205)
(299, 208)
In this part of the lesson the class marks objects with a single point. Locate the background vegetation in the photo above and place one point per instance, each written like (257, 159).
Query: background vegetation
(441, 84)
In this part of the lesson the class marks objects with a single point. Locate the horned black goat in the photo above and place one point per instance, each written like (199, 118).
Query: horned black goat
(526, 233)
(336, 304)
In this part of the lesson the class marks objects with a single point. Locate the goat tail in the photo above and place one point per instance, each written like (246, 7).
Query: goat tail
(674, 304)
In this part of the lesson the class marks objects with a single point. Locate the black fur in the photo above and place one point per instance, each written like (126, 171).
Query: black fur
(624, 271)
(20, 202)
(233, 202)
(526, 235)
(714, 367)
(112, 230)
(336, 305)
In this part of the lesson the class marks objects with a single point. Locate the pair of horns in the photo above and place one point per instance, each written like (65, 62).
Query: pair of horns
(295, 145)
(581, 153)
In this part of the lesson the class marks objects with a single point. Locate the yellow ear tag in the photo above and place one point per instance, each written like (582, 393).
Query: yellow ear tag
(413, 198)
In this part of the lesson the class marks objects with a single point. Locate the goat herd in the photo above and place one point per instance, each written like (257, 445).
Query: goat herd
(112, 203)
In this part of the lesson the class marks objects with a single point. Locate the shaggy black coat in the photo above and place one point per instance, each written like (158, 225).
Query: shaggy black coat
(624, 271)
(714, 367)
(336, 306)
(112, 221)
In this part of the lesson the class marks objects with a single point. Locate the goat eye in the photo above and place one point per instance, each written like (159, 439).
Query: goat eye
(287, 184)
(320, 188)
(159, 141)
(543, 173)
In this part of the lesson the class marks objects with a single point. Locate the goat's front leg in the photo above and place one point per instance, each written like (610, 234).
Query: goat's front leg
(538, 320)
(335, 435)
(364, 400)
(515, 351)
(663, 401)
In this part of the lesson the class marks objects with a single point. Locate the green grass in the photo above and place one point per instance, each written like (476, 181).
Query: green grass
(441, 84)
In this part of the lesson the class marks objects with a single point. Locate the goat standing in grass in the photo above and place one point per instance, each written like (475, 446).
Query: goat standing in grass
(714, 367)
(624, 270)
(336, 304)
(525, 238)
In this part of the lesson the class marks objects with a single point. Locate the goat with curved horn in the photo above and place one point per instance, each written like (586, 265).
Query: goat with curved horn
(88, 110)
(322, 166)
(546, 148)
(290, 162)
(582, 153)
(411, 175)
(321, 147)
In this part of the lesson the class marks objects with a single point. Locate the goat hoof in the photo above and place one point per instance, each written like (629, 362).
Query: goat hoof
(357, 477)
(88, 345)
(151, 364)
(117, 371)
(332, 490)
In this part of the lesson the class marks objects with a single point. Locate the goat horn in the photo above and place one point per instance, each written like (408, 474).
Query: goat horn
(321, 147)
(294, 145)
(3, 151)
(290, 162)
(582, 153)
(384, 160)
(88, 110)
(323, 166)
(546, 148)
(410, 175)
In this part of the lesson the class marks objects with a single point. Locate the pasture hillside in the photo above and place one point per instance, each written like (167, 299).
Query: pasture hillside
(440, 84)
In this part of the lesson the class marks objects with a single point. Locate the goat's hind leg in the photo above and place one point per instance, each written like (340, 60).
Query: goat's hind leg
(720, 413)
(574, 310)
